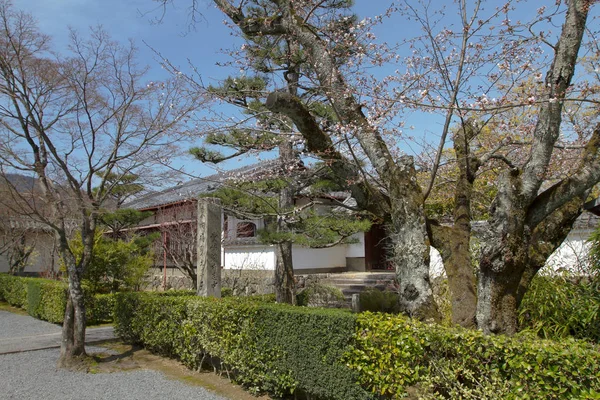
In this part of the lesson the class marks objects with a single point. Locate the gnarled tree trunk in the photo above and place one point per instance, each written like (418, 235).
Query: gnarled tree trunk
(519, 210)
(453, 242)
(410, 246)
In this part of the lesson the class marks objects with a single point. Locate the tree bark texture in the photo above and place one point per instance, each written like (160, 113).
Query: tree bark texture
(73, 332)
(453, 245)
(453, 242)
(285, 286)
(411, 247)
(521, 218)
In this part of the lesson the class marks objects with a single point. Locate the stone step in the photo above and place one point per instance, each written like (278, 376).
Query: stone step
(356, 282)
(350, 287)
(364, 275)
(364, 282)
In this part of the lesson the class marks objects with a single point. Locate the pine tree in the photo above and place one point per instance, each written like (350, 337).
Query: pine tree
(279, 59)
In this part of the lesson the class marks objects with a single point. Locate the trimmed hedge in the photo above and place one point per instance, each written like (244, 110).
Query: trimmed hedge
(266, 347)
(13, 290)
(396, 355)
(323, 353)
(99, 308)
(46, 299)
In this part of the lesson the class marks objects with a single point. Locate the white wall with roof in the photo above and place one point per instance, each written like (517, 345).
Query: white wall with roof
(572, 255)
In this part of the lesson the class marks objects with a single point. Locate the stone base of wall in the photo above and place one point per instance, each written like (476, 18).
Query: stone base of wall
(356, 264)
(247, 282)
(176, 282)
(310, 271)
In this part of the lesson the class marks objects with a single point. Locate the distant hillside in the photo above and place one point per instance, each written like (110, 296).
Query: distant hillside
(22, 183)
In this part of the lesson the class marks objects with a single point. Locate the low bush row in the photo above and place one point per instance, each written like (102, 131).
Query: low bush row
(47, 299)
(266, 347)
(333, 354)
(13, 290)
(396, 355)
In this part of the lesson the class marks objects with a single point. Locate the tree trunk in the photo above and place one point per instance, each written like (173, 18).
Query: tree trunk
(454, 247)
(503, 259)
(453, 243)
(497, 300)
(519, 210)
(285, 287)
(72, 346)
(410, 246)
(73, 332)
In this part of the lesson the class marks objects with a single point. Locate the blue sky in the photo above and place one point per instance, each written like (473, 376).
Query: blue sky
(204, 46)
(134, 19)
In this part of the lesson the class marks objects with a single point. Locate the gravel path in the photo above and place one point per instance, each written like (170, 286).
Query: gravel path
(33, 374)
(15, 325)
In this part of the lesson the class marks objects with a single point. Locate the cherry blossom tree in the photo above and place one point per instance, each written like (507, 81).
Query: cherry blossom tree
(526, 222)
(531, 136)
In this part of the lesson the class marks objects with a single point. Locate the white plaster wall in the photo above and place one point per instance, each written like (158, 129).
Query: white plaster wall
(436, 265)
(305, 258)
(570, 256)
(356, 249)
(572, 253)
(253, 257)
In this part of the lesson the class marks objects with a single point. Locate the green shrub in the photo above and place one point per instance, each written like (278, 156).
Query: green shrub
(266, 347)
(376, 300)
(99, 308)
(115, 264)
(319, 295)
(34, 298)
(301, 350)
(321, 353)
(13, 290)
(180, 292)
(560, 306)
(396, 355)
(47, 299)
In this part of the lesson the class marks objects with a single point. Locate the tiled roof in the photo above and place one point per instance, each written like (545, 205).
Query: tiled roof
(196, 187)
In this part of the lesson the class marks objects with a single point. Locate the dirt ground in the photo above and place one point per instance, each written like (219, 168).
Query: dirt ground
(124, 357)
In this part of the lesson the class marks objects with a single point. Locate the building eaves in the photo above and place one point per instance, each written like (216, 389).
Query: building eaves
(204, 185)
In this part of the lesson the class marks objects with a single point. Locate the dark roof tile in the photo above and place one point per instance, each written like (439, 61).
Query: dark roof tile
(196, 187)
